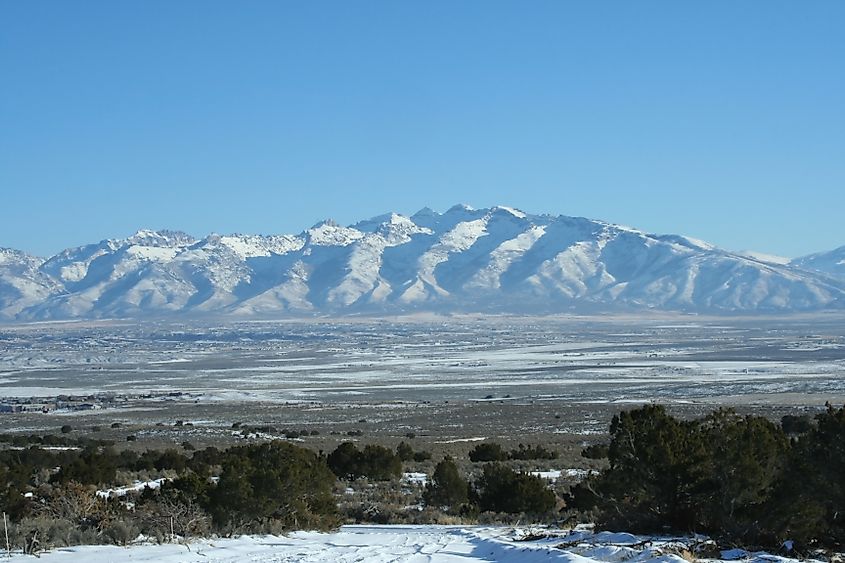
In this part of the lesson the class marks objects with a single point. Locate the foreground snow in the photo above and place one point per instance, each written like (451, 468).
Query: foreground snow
(384, 544)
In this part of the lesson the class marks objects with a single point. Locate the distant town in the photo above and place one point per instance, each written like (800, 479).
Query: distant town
(78, 402)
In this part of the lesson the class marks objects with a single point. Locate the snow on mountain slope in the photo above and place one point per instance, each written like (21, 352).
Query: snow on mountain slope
(288, 295)
(22, 284)
(459, 239)
(767, 258)
(502, 257)
(498, 260)
(364, 264)
(71, 266)
(123, 277)
(832, 263)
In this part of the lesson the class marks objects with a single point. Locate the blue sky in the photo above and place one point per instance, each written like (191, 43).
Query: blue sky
(720, 120)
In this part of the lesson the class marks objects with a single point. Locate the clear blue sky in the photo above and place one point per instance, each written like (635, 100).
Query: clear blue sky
(722, 120)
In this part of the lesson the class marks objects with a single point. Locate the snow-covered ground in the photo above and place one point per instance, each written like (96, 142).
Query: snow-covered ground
(412, 544)
(136, 487)
(414, 478)
(554, 474)
(383, 362)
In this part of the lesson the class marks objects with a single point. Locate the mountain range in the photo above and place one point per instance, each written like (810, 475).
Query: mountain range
(495, 260)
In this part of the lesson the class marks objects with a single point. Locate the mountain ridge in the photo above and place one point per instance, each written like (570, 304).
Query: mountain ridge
(496, 259)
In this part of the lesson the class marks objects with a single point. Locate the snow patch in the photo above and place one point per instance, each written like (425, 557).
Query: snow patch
(136, 487)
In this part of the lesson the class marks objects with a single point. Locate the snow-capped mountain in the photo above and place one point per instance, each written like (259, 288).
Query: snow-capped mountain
(831, 263)
(475, 260)
(22, 282)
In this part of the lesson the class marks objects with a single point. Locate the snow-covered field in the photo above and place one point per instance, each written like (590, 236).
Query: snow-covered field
(411, 544)
(569, 359)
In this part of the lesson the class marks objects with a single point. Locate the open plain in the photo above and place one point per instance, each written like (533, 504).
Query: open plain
(446, 382)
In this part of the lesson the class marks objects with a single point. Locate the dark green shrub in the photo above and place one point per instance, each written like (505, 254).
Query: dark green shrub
(488, 451)
(501, 489)
(170, 459)
(202, 460)
(276, 482)
(447, 488)
(596, 451)
(421, 455)
(374, 462)
(379, 463)
(404, 451)
(741, 461)
(91, 466)
(809, 505)
(343, 461)
(643, 489)
(796, 424)
(715, 475)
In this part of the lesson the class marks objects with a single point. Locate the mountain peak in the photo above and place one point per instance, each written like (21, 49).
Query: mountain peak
(510, 210)
(425, 212)
(12, 256)
(160, 238)
(325, 223)
(329, 233)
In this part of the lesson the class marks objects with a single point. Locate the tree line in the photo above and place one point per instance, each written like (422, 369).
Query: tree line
(741, 479)
(51, 496)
